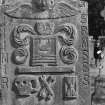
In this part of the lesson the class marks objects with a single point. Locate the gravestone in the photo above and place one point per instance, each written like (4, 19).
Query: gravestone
(44, 52)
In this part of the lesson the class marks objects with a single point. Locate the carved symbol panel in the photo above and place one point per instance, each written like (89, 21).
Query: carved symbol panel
(45, 53)
(70, 88)
(43, 50)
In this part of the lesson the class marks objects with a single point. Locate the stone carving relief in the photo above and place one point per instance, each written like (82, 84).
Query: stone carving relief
(44, 47)
(43, 50)
(68, 33)
(21, 35)
(98, 94)
(39, 86)
(39, 5)
(67, 36)
(44, 28)
(34, 9)
(25, 86)
(69, 87)
(68, 55)
(63, 9)
(19, 55)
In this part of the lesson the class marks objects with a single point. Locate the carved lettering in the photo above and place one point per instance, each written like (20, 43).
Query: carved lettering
(84, 18)
(4, 82)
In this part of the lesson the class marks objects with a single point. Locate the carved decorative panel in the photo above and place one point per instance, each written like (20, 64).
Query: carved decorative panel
(44, 52)
(70, 88)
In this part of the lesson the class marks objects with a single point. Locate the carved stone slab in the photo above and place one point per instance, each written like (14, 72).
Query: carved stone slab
(44, 52)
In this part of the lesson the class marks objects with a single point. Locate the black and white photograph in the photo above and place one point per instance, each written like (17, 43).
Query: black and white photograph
(52, 52)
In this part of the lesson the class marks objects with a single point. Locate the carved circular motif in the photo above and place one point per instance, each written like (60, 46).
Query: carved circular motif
(19, 56)
(69, 33)
(68, 55)
(21, 34)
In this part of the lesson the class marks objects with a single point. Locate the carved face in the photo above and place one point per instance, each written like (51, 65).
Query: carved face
(41, 5)
(25, 85)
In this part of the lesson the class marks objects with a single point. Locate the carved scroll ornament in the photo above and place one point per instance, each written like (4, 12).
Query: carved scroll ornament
(19, 56)
(68, 55)
(21, 35)
(68, 33)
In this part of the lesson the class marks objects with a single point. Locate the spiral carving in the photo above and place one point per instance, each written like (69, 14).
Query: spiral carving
(69, 33)
(19, 55)
(68, 55)
(21, 34)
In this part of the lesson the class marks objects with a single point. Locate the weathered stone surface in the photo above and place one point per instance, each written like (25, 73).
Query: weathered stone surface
(45, 58)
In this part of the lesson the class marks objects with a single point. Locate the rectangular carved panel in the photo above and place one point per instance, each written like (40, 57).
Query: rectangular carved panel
(70, 88)
(43, 50)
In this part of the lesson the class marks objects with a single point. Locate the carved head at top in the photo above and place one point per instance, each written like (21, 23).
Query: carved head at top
(39, 5)
(42, 5)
